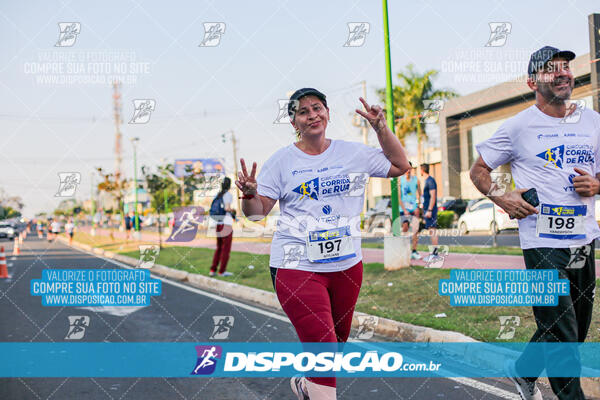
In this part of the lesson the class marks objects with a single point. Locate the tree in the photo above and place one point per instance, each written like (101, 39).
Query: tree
(116, 187)
(409, 103)
(191, 181)
(10, 206)
(14, 202)
(68, 207)
(160, 185)
(9, 212)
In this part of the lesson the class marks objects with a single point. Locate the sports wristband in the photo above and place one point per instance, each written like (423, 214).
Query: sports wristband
(247, 196)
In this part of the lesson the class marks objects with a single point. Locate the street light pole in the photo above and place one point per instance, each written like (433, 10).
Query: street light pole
(235, 170)
(165, 196)
(364, 126)
(93, 205)
(235, 167)
(389, 105)
(137, 218)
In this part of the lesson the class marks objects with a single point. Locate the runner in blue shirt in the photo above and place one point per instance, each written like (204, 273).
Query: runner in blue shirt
(430, 203)
(410, 193)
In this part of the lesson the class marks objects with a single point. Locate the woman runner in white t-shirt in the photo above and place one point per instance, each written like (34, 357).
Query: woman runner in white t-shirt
(316, 260)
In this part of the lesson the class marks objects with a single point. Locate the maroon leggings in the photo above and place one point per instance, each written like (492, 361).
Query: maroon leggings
(224, 238)
(320, 305)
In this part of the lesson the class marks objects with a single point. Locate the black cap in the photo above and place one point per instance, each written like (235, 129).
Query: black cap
(540, 57)
(294, 98)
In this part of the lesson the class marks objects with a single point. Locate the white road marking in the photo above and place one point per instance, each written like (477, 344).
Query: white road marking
(119, 311)
(198, 291)
(487, 388)
(484, 387)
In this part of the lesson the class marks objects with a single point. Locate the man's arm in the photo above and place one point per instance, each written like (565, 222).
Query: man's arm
(512, 201)
(432, 201)
(585, 184)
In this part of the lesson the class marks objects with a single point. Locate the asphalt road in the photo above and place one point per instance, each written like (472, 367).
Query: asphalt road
(180, 314)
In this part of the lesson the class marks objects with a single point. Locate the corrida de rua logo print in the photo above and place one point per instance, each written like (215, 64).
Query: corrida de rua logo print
(562, 155)
(319, 188)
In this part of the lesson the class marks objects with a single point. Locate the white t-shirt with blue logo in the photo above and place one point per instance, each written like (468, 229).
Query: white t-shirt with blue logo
(316, 193)
(542, 152)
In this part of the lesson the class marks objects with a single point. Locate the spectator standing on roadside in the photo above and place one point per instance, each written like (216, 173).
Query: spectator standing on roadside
(128, 223)
(222, 213)
(429, 203)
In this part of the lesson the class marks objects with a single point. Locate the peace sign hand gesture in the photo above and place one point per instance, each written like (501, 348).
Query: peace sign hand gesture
(247, 183)
(374, 114)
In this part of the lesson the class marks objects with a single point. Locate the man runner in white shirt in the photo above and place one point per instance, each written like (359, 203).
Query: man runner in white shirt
(560, 160)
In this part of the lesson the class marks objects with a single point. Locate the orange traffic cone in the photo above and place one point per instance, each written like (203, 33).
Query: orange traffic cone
(16, 248)
(3, 268)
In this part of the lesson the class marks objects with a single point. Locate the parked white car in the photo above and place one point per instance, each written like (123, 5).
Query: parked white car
(479, 216)
(7, 231)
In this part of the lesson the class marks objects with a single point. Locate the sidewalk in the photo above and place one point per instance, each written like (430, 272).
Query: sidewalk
(452, 260)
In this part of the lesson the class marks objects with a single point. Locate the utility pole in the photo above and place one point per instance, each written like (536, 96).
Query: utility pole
(165, 196)
(182, 191)
(235, 170)
(135, 183)
(364, 128)
(93, 205)
(118, 137)
(235, 167)
(495, 226)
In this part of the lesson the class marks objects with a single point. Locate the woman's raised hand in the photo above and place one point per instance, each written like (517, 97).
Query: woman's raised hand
(247, 183)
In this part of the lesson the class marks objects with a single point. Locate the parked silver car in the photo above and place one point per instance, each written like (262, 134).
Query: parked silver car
(7, 231)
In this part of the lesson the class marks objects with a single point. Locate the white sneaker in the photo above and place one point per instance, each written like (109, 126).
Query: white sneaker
(415, 255)
(226, 273)
(299, 387)
(527, 390)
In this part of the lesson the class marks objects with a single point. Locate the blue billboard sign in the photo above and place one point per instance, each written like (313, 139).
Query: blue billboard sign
(190, 166)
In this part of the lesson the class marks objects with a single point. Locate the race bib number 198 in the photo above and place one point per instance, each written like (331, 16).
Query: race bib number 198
(330, 245)
(561, 222)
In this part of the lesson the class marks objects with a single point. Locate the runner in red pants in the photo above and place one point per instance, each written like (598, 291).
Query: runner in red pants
(319, 305)
(222, 212)
(221, 255)
(316, 258)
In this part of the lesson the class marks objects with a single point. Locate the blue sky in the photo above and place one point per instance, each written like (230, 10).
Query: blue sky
(268, 49)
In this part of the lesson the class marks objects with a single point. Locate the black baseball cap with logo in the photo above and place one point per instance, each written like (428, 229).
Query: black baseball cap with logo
(294, 98)
(540, 57)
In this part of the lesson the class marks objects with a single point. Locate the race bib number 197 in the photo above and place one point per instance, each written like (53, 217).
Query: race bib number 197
(561, 222)
(330, 245)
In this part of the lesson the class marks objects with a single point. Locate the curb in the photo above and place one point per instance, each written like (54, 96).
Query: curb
(393, 330)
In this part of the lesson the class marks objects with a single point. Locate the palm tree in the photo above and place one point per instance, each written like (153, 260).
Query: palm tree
(409, 103)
